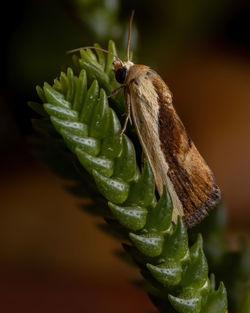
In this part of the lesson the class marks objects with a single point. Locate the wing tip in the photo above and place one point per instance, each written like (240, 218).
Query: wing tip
(199, 214)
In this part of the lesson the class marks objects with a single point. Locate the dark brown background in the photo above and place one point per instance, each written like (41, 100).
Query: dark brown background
(52, 256)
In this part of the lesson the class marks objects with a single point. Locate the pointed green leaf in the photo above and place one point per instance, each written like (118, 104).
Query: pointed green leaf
(168, 273)
(204, 291)
(92, 57)
(88, 56)
(75, 61)
(148, 244)
(101, 56)
(133, 218)
(99, 123)
(160, 217)
(111, 146)
(87, 144)
(75, 128)
(195, 273)
(41, 94)
(176, 244)
(64, 83)
(125, 165)
(54, 97)
(90, 103)
(100, 164)
(188, 301)
(115, 190)
(57, 86)
(80, 91)
(71, 85)
(217, 301)
(142, 192)
(95, 72)
(110, 58)
(61, 113)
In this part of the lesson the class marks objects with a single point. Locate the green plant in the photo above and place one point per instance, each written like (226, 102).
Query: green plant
(77, 113)
(232, 267)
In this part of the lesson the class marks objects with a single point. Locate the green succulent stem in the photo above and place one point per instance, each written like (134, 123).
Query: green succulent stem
(86, 121)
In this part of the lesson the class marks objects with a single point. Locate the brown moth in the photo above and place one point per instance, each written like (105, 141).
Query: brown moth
(173, 157)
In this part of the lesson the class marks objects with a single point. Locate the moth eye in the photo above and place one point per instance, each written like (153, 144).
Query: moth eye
(120, 75)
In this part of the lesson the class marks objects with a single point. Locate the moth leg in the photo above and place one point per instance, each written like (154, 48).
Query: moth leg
(128, 116)
(130, 119)
(115, 92)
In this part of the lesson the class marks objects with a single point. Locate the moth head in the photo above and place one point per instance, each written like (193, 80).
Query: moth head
(121, 70)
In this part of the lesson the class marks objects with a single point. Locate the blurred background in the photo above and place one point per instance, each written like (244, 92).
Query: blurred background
(53, 258)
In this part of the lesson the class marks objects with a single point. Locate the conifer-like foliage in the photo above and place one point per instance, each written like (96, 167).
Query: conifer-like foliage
(85, 121)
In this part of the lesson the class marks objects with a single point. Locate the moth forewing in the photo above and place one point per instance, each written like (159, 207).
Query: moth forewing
(145, 110)
(175, 161)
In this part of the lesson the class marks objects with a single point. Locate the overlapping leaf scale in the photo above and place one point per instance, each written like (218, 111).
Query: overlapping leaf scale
(78, 108)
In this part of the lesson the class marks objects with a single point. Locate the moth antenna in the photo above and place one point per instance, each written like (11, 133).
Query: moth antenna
(94, 48)
(129, 33)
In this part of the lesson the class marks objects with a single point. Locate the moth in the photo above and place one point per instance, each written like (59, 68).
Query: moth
(173, 157)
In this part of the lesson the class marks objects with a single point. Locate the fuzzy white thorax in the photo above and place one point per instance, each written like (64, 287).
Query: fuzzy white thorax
(120, 64)
(128, 64)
